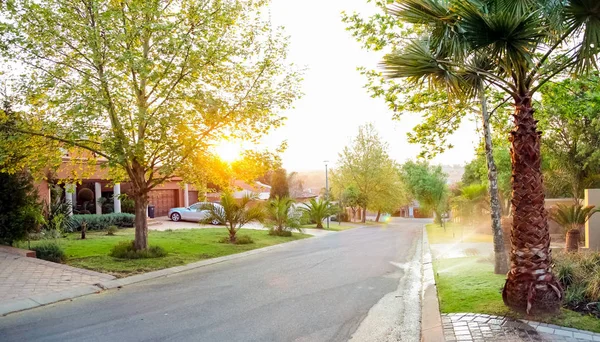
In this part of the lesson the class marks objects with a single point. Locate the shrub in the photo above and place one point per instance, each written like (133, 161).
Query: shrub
(579, 273)
(102, 222)
(49, 251)
(126, 250)
(112, 230)
(276, 232)
(19, 210)
(239, 240)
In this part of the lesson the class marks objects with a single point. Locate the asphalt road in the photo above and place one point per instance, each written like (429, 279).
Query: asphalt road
(362, 284)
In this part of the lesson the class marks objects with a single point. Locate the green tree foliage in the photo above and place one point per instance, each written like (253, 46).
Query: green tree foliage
(281, 215)
(471, 202)
(279, 184)
(19, 211)
(234, 214)
(148, 85)
(570, 121)
(318, 210)
(366, 165)
(427, 184)
(351, 197)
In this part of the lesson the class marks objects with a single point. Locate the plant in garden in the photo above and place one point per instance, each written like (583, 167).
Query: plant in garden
(86, 196)
(112, 230)
(149, 85)
(20, 212)
(579, 273)
(281, 216)
(319, 210)
(126, 250)
(572, 218)
(234, 214)
(529, 43)
(50, 251)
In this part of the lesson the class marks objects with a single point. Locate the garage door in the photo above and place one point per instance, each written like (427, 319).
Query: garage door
(193, 197)
(163, 200)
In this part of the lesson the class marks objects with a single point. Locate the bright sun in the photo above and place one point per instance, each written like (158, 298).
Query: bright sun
(228, 151)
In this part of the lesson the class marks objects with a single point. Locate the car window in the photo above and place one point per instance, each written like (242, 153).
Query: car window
(195, 206)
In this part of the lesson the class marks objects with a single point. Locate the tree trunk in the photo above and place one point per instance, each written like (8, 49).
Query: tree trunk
(378, 214)
(530, 285)
(572, 240)
(319, 224)
(364, 214)
(500, 262)
(141, 222)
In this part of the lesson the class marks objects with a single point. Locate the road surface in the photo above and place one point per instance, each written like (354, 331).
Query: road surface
(361, 284)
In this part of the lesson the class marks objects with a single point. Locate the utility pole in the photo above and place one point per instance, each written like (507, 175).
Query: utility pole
(327, 188)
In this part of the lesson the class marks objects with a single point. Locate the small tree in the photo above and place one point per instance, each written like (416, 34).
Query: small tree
(279, 184)
(319, 210)
(234, 214)
(281, 215)
(572, 218)
(19, 210)
(86, 196)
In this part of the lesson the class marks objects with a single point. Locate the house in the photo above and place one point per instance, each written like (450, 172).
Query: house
(173, 193)
(414, 210)
(262, 191)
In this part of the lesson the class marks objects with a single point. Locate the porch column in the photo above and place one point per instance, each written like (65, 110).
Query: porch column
(186, 196)
(69, 195)
(116, 199)
(98, 195)
(411, 211)
(592, 226)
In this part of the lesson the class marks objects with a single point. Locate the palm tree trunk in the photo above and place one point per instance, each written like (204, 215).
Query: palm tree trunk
(500, 262)
(530, 285)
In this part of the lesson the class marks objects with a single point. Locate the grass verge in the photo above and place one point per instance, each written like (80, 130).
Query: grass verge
(470, 285)
(454, 233)
(183, 246)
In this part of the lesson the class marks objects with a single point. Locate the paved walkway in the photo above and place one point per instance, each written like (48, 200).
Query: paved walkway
(22, 277)
(486, 328)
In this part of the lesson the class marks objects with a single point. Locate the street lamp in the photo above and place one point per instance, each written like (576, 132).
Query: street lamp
(327, 187)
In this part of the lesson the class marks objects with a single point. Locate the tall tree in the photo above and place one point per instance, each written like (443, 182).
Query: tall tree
(427, 184)
(279, 184)
(529, 42)
(570, 120)
(148, 85)
(366, 165)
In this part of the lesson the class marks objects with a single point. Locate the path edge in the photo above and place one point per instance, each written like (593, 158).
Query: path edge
(431, 319)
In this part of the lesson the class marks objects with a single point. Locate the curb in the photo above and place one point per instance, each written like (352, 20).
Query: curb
(17, 305)
(431, 320)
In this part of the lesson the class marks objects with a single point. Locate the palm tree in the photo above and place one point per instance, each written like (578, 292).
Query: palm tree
(529, 43)
(234, 214)
(281, 215)
(572, 218)
(319, 210)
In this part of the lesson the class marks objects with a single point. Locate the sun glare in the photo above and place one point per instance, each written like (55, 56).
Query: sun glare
(228, 151)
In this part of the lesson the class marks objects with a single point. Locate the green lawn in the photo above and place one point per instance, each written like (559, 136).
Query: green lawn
(183, 246)
(455, 233)
(470, 285)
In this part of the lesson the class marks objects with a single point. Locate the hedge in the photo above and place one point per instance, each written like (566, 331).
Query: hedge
(102, 222)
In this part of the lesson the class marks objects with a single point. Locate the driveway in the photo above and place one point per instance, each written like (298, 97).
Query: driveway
(362, 283)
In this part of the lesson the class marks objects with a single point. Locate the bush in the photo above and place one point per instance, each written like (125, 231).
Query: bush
(275, 232)
(19, 211)
(239, 240)
(102, 222)
(126, 250)
(112, 230)
(579, 274)
(49, 251)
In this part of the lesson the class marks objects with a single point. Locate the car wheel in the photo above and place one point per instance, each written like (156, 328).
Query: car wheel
(175, 217)
(215, 222)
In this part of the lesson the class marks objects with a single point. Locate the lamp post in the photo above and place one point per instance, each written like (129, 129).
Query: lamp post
(327, 188)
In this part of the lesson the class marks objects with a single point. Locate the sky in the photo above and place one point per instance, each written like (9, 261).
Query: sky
(335, 102)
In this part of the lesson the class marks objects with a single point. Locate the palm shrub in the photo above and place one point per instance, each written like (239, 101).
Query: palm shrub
(317, 211)
(234, 214)
(281, 216)
(572, 218)
(516, 47)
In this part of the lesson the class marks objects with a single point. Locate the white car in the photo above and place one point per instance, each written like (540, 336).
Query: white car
(195, 212)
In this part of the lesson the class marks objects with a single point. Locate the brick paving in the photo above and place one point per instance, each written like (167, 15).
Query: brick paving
(485, 328)
(22, 277)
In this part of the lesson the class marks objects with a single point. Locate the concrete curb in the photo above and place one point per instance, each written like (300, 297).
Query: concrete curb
(431, 320)
(54, 297)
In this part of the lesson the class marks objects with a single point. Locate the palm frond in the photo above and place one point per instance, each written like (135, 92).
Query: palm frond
(583, 18)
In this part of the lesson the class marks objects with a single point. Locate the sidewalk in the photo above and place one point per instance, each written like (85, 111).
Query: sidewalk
(26, 282)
